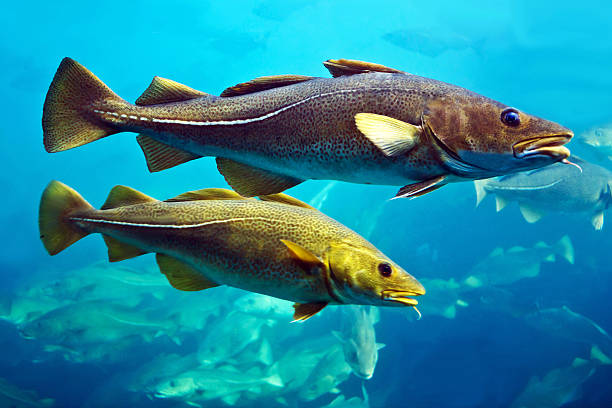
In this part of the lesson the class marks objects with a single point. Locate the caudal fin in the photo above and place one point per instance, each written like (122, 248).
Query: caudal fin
(58, 202)
(68, 120)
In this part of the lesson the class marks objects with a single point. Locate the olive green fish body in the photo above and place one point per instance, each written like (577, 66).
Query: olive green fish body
(276, 246)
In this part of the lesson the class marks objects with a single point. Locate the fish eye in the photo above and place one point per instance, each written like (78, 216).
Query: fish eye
(385, 269)
(510, 117)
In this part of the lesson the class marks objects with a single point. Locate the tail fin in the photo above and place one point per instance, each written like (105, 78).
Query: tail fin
(565, 248)
(57, 203)
(481, 193)
(66, 122)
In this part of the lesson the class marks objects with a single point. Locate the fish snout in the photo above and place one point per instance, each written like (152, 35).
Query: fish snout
(549, 146)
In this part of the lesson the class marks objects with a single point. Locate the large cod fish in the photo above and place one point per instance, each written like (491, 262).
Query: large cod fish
(278, 246)
(369, 124)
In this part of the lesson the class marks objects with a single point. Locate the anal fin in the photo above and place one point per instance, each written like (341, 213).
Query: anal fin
(530, 215)
(500, 203)
(182, 276)
(304, 311)
(119, 251)
(421, 188)
(161, 156)
(249, 181)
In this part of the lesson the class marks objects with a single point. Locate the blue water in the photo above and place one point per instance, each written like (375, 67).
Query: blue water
(547, 58)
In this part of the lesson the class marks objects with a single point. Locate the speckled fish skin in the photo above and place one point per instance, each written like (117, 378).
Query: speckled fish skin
(237, 242)
(307, 130)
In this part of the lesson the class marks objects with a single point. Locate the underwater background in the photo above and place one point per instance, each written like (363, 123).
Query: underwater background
(472, 349)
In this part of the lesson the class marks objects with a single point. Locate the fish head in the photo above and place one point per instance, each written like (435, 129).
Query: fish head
(479, 137)
(175, 387)
(598, 136)
(361, 274)
(43, 328)
(361, 357)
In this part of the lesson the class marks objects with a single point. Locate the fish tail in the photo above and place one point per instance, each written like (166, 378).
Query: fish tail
(565, 248)
(57, 204)
(481, 193)
(68, 119)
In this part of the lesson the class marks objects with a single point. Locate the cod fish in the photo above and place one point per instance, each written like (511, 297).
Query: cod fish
(368, 124)
(600, 139)
(358, 339)
(504, 267)
(277, 246)
(13, 397)
(586, 188)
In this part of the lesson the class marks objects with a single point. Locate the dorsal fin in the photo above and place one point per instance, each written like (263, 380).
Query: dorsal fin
(285, 199)
(207, 194)
(121, 196)
(264, 83)
(341, 67)
(182, 276)
(161, 156)
(162, 90)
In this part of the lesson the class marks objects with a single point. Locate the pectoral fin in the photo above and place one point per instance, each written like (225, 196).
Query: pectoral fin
(249, 181)
(307, 260)
(530, 215)
(182, 276)
(392, 136)
(421, 188)
(161, 156)
(304, 311)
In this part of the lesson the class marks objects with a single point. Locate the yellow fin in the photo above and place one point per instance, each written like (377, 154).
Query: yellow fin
(57, 203)
(304, 311)
(207, 194)
(285, 199)
(341, 67)
(162, 90)
(182, 276)
(529, 214)
(161, 156)
(264, 83)
(249, 181)
(119, 251)
(390, 135)
(307, 260)
(500, 203)
(121, 196)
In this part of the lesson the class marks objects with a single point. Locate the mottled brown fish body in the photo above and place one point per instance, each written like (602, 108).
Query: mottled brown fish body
(276, 246)
(368, 124)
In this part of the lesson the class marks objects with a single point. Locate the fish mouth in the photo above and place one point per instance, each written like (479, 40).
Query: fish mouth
(401, 296)
(550, 146)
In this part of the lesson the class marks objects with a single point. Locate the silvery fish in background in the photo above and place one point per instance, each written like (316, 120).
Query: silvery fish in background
(599, 138)
(369, 124)
(585, 188)
(358, 339)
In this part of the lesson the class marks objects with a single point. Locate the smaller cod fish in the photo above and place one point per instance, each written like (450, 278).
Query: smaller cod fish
(369, 124)
(584, 188)
(599, 138)
(277, 246)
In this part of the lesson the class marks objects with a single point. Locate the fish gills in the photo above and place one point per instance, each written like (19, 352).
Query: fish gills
(65, 124)
(57, 203)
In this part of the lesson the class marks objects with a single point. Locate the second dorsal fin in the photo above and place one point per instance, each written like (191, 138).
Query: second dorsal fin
(208, 194)
(341, 67)
(121, 196)
(162, 90)
(264, 83)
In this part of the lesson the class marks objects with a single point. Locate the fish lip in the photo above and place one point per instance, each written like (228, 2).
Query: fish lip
(401, 296)
(551, 146)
